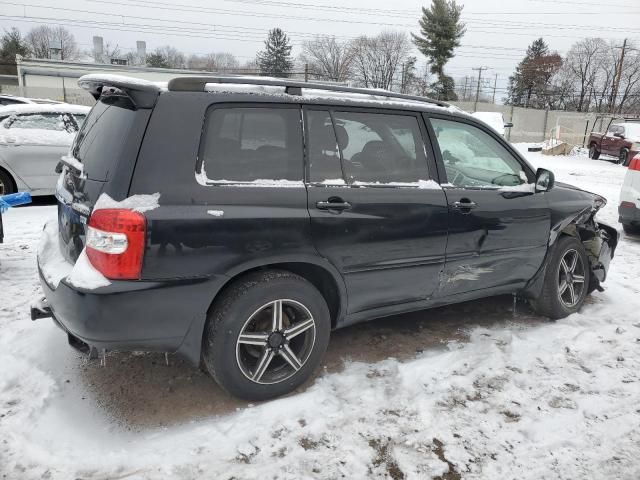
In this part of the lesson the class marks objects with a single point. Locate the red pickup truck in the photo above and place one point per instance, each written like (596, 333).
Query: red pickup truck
(622, 140)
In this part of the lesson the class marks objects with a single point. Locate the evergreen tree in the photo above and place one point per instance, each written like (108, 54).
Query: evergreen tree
(530, 85)
(12, 44)
(157, 60)
(276, 58)
(440, 33)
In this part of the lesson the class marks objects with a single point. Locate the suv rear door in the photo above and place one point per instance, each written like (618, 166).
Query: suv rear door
(376, 212)
(106, 148)
(499, 228)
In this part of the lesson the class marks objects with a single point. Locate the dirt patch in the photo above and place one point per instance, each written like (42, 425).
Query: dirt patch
(452, 474)
(384, 458)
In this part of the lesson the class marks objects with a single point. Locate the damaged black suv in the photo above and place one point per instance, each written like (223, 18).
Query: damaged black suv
(237, 221)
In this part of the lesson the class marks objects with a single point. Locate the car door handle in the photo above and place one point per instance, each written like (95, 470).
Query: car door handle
(464, 204)
(336, 205)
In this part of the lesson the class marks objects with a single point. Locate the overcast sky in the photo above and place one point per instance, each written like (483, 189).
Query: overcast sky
(498, 31)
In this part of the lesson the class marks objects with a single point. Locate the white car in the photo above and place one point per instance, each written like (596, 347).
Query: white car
(629, 209)
(33, 137)
(494, 119)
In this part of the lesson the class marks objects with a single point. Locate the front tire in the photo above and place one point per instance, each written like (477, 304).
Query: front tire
(623, 158)
(566, 281)
(593, 152)
(266, 335)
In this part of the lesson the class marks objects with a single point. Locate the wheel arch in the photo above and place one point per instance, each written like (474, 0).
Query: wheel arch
(319, 272)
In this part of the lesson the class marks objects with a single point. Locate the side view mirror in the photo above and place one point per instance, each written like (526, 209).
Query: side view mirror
(508, 125)
(545, 179)
(619, 135)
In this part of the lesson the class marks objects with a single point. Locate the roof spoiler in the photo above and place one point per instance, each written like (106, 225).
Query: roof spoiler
(142, 93)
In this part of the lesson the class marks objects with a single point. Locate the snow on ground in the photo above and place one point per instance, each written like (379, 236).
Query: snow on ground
(518, 399)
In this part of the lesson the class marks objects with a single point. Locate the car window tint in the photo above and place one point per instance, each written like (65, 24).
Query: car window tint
(40, 121)
(473, 158)
(381, 148)
(248, 144)
(322, 148)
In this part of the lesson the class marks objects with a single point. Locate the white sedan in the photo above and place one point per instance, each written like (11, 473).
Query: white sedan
(33, 137)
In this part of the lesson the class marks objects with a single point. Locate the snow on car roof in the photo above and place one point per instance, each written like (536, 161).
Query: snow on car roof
(43, 108)
(105, 78)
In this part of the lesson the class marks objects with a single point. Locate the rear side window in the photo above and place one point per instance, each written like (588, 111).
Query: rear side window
(102, 139)
(250, 144)
(380, 148)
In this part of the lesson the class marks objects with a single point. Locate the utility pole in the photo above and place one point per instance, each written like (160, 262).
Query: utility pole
(495, 84)
(616, 83)
(464, 92)
(306, 72)
(480, 70)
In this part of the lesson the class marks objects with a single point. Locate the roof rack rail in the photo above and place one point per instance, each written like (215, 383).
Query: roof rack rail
(292, 87)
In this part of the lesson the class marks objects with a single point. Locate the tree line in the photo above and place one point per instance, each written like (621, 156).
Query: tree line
(594, 76)
(377, 61)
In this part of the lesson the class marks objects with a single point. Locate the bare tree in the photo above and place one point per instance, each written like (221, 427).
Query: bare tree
(213, 62)
(376, 60)
(582, 66)
(328, 58)
(48, 42)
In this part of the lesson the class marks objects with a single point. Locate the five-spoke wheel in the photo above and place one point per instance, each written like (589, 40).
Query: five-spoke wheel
(276, 341)
(266, 334)
(571, 278)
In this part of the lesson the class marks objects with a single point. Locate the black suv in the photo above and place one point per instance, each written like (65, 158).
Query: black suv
(288, 209)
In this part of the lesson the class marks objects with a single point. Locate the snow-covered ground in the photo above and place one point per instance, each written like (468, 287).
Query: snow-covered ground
(515, 398)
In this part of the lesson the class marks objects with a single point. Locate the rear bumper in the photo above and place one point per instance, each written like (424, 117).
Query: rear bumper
(164, 316)
(628, 214)
(601, 250)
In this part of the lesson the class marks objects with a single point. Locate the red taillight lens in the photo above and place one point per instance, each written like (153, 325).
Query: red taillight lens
(635, 163)
(115, 243)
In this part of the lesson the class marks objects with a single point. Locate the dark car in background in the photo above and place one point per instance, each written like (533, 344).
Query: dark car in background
(237, 221)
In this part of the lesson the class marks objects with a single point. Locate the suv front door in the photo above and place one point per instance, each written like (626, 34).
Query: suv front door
(499, 227)
(376, 212)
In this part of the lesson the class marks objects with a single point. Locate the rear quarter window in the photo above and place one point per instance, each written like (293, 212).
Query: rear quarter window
(251, 144)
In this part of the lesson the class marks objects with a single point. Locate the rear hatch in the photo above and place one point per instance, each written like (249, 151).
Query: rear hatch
(100, 161)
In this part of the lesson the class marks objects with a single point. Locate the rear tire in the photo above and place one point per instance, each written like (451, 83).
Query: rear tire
(593, 152)
(255, 356)
(566, 281)
(623, 158)
(7, 185)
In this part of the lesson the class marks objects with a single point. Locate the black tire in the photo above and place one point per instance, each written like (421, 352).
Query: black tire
(631, 229)
(551, 302)
(226, 356)
(623, 158)
(7, 185)
(593, 152)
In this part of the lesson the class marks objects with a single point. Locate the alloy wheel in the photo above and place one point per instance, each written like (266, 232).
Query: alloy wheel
(275, 342)
(571, 278)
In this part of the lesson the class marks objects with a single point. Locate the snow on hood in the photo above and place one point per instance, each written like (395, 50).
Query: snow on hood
(22, 136)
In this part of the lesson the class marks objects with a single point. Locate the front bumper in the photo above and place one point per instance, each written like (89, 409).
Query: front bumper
(131, 316)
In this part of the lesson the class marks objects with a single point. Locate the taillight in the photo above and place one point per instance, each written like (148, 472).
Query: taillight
(115, 243)
(635, 163)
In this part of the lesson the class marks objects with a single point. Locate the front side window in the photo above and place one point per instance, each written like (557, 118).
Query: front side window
(380, 148)
(251, 144)
(474, 159)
